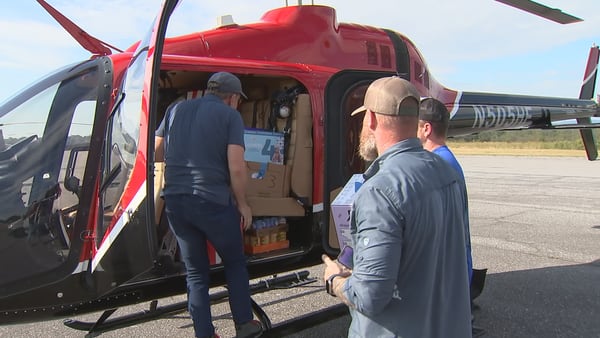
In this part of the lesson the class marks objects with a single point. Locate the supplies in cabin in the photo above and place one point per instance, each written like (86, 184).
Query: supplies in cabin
(266, 234)
(265, 157)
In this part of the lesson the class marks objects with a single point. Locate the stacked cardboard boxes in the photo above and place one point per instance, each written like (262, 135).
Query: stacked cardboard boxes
(267, 234)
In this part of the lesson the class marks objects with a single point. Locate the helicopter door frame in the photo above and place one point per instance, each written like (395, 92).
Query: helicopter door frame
(343, 93)
(127, 216)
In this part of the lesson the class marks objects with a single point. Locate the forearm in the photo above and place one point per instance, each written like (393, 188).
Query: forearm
(239, 180)
(338, 290)
(159, 149)
(237, 173)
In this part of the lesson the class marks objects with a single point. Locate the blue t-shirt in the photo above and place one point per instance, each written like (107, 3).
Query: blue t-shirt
(197, 133)
(445, 153)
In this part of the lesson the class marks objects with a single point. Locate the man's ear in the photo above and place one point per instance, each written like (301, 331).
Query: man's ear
(233, 101)
(372, 120)
(427, 130)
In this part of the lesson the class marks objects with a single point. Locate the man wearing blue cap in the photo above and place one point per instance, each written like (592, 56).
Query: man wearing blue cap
(202, 143)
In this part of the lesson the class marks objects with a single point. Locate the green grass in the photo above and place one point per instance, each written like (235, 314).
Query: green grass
(521, 143)
(511, 149)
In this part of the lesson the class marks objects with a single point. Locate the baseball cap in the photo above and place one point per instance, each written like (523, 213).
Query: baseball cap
(388, 96)
(226, 83)
(433, 110)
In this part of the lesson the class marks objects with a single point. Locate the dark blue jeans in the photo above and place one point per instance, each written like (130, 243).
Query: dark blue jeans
(195, 220)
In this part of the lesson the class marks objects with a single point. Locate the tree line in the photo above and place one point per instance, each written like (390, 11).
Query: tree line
(549, 139)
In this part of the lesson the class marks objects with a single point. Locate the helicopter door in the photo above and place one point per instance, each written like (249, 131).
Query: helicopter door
(345, 92)
(40, 129)
(125, 239)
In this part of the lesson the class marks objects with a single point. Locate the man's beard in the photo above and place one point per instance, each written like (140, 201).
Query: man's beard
(367, 148)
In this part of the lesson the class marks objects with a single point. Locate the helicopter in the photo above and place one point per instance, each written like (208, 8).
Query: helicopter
(82, 227)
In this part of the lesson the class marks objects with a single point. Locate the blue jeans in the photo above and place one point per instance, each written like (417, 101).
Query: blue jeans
(194, 220)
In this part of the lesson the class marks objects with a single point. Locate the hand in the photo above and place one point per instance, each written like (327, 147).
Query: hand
(246, 213)
(333, 267)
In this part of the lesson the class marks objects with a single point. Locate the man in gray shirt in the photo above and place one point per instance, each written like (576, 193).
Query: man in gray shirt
(409, 277)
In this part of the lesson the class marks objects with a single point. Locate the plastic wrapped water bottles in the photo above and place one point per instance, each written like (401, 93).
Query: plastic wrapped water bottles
(269, 229)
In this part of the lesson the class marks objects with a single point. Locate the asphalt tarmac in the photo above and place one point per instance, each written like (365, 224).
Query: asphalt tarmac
(535, 225)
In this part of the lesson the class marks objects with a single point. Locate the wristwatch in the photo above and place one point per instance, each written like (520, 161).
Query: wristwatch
(329, 284)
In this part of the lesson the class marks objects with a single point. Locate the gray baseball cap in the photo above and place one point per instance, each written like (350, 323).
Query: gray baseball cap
(226, 83)
(391, 96)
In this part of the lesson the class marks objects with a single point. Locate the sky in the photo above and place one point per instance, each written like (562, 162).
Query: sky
(470, 45)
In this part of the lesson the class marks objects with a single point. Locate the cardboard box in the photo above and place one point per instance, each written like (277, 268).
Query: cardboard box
(281, 206)
(332, 238)
(263, 146)
(267, 180)
(267, 247)
(159, 182)
(300, 152)
(267, 239)
(341, 207)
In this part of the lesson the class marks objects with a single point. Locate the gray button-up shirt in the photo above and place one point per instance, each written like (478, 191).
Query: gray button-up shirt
(407, 223)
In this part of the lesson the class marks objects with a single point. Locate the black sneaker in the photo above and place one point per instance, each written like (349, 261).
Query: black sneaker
(251, 329)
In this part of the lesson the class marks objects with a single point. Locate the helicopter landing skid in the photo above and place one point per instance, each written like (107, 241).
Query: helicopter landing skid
(104, 324)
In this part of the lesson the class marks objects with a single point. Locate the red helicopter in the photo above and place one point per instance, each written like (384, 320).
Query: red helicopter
(82, 227)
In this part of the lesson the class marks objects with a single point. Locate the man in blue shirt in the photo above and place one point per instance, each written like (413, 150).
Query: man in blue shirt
(202, 144)
(433, 129)
(409, 275)
(434, 119)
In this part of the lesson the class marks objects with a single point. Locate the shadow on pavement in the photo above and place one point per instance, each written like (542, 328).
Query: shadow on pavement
(560, 301)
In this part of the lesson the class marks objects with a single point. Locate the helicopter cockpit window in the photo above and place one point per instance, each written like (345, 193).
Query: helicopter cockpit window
(36, 136)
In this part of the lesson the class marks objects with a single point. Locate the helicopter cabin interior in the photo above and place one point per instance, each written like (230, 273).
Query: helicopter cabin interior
(277, 117)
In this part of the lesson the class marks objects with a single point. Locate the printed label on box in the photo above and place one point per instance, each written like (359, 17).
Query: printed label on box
(263, 146)
(341, 207)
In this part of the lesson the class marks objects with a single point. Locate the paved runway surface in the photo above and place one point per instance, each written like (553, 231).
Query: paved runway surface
(535, 225)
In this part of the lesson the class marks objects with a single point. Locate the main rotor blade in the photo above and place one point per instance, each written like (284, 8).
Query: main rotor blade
(546, 12)
(90, 43)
